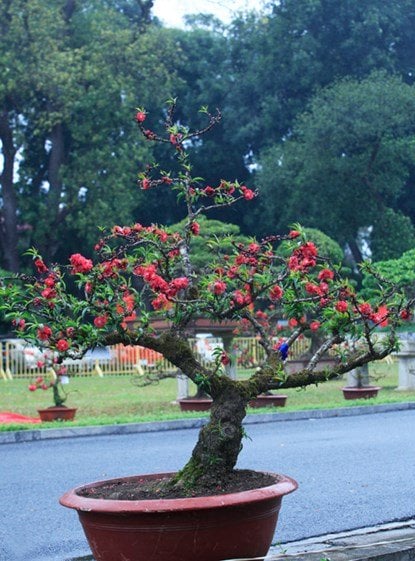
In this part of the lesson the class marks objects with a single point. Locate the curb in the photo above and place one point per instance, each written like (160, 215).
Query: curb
(386, 542)
(15, 437)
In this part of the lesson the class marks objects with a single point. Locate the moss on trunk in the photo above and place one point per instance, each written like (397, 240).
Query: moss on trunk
(220, 440)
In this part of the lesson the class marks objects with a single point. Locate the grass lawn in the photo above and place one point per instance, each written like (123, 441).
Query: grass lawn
(115, 399)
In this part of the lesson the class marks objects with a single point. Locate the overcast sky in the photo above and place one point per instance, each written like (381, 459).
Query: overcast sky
(171, 12)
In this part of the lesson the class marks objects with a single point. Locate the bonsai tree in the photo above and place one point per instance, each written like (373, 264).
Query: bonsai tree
(142, 273)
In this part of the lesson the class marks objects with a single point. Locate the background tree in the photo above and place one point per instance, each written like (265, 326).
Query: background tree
(74, 69)
(346, 165)
(400, 271)
(279, 58)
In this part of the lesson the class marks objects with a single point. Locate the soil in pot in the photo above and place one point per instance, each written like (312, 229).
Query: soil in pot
(55, 413)
(209, 528)
(148, 489)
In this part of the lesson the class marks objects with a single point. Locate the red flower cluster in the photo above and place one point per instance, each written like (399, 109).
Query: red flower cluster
(303, 258)
(80, 264)
(40, 266)
(39, 384)
(44, 333)
(276, 293)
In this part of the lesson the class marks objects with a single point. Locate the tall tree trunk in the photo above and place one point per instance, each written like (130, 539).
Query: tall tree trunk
(356, 253)
(8, 213)
(54, 175)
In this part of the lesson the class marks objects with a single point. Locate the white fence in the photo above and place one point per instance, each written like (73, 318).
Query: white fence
(21, 360)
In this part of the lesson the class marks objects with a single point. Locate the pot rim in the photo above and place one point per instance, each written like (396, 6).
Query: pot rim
(361, 388)
(283, 486)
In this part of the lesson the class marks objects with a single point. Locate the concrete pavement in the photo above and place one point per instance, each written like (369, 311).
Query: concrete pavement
(389, 542)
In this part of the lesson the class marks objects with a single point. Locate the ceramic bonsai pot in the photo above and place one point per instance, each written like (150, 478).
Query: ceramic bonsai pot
(195, 403)
(56, 413)
(230, 526)
(269, 400)
(365, 392)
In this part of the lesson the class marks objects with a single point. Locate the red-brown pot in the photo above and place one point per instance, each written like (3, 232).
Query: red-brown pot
(237, 525)
(274, 400)
(56, 413)
(364, 392)
(195, 404)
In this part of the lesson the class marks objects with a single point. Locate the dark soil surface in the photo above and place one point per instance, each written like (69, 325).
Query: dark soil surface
(134, 489)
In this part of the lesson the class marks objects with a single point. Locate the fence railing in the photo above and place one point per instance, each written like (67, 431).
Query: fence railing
(20, 360)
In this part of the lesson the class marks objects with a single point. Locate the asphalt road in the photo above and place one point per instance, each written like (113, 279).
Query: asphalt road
(352, 472)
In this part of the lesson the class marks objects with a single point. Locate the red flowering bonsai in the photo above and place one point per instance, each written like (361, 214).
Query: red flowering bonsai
(142, 272)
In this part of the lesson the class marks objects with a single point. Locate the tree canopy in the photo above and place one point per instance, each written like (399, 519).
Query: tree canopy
(72, 72)
(346, 165)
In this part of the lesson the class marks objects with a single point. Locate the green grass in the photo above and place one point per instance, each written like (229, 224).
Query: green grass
(116, 400)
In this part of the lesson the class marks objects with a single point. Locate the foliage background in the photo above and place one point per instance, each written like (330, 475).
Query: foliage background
(318, 112)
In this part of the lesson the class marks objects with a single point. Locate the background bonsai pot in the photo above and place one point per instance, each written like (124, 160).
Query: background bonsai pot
(269, 400)
(57, 413)
(195, 403)
(213, 528)
(365, 392)
(359, 386)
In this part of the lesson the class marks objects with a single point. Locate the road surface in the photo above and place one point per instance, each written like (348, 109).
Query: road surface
(352, 472)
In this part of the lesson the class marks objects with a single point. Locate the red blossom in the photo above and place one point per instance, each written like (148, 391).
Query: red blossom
(195, 228)
(49, 293)
(121, 231)
(50, 282)
(248, 194)
(239, 297)
(405, 315)
(218, 287)
(19, 324)
(342, 306)
(158, 284)
(276, 293)
(180, 283)
(140, 116)
(40, 266)
(312, 288)
(209, 191)
(365, 309)
(110, 268)
(381, 316)
(254, 248)
(32, 387)
(145, 183)
(303, 258)
(150, 135)
(160, 302)
(315, 325)
(62, 345)
(326, 274)
(294, 234)
(100, 321)
(225, 359)
(80, 264)
(44, 333)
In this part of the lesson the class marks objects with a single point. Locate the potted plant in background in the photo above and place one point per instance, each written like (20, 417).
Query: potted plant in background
(209, 510)
(358, 380)
(54, 380)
